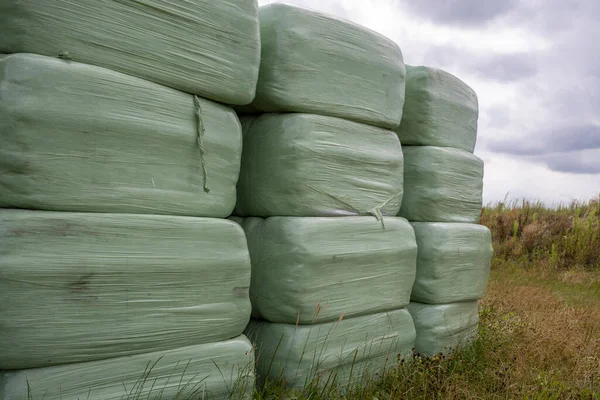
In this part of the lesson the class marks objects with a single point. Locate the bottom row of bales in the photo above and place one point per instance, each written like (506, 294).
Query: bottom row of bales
(360, 348)
(111, 306)
(332, 352)
(211, 371)
(338, 303)
(353, 296)
(329, 296)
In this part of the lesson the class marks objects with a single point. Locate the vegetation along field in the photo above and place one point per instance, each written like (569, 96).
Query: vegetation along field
(540, 320)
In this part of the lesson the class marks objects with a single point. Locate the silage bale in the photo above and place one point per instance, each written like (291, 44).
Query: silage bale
(211, 370)
(76, 287)
(351, 350)
(315, 63)
(75, 137)
(439, 110)
(312, 165)
(205, 47)
(453, 264)
(441, 185)
(312, 270)
(444, 328)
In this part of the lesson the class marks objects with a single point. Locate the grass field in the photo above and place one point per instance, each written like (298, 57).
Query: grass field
(540, 320)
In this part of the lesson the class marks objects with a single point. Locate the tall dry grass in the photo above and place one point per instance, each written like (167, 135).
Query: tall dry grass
(564, 237)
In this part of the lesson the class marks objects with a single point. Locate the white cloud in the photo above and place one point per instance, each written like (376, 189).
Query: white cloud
(520, 178)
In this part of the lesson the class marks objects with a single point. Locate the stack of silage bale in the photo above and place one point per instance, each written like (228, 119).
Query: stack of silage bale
(119, 274)
(443, 183)
(319, 190)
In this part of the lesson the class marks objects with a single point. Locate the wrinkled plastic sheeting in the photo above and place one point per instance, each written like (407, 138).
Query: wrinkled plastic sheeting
(75, 137)
(308, 165)
(236, 219)
(247, 223)
(76, 286)
(439, 110)
(350, 350)
(315, 63)
(205, 47)
(453, 263)
(441, 185)
(444, 328)
(311, 270)
(211, 370)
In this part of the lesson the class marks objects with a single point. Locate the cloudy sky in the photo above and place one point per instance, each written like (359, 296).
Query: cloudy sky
(535, 65)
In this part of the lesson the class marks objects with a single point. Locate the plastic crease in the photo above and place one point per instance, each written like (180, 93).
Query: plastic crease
(200, 129)
(64, 55)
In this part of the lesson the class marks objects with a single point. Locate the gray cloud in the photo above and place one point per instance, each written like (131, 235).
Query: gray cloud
(566, 135)
(549, 16)
(498, 67)
(573, 163)
(460, 12)
(499, 117)
(545, 16)
(560, 140)
(505, 67)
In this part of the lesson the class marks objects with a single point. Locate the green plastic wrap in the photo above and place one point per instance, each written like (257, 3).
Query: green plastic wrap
(315, 63)
(312, 270)
(453, 263)
(439, 110)
(205, 47)
(441, 185)
(77, 287)
(236, 219)
(211, 370)
(247, 223)
(444, 328)
(349, 350)
(307, 165)
(75, 137)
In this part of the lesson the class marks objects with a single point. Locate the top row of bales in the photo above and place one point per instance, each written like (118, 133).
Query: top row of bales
(213, 50)
(309, 63)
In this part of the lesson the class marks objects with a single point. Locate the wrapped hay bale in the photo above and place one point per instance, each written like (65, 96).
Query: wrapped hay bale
(211, 370)
(453, 263)
(442, 185)
(315, 63)
(313, 270)
(444, 328)
(308, 165)
(77, 287)
(75, 137)
(440, 110)
(355, 348)
(205, 47)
